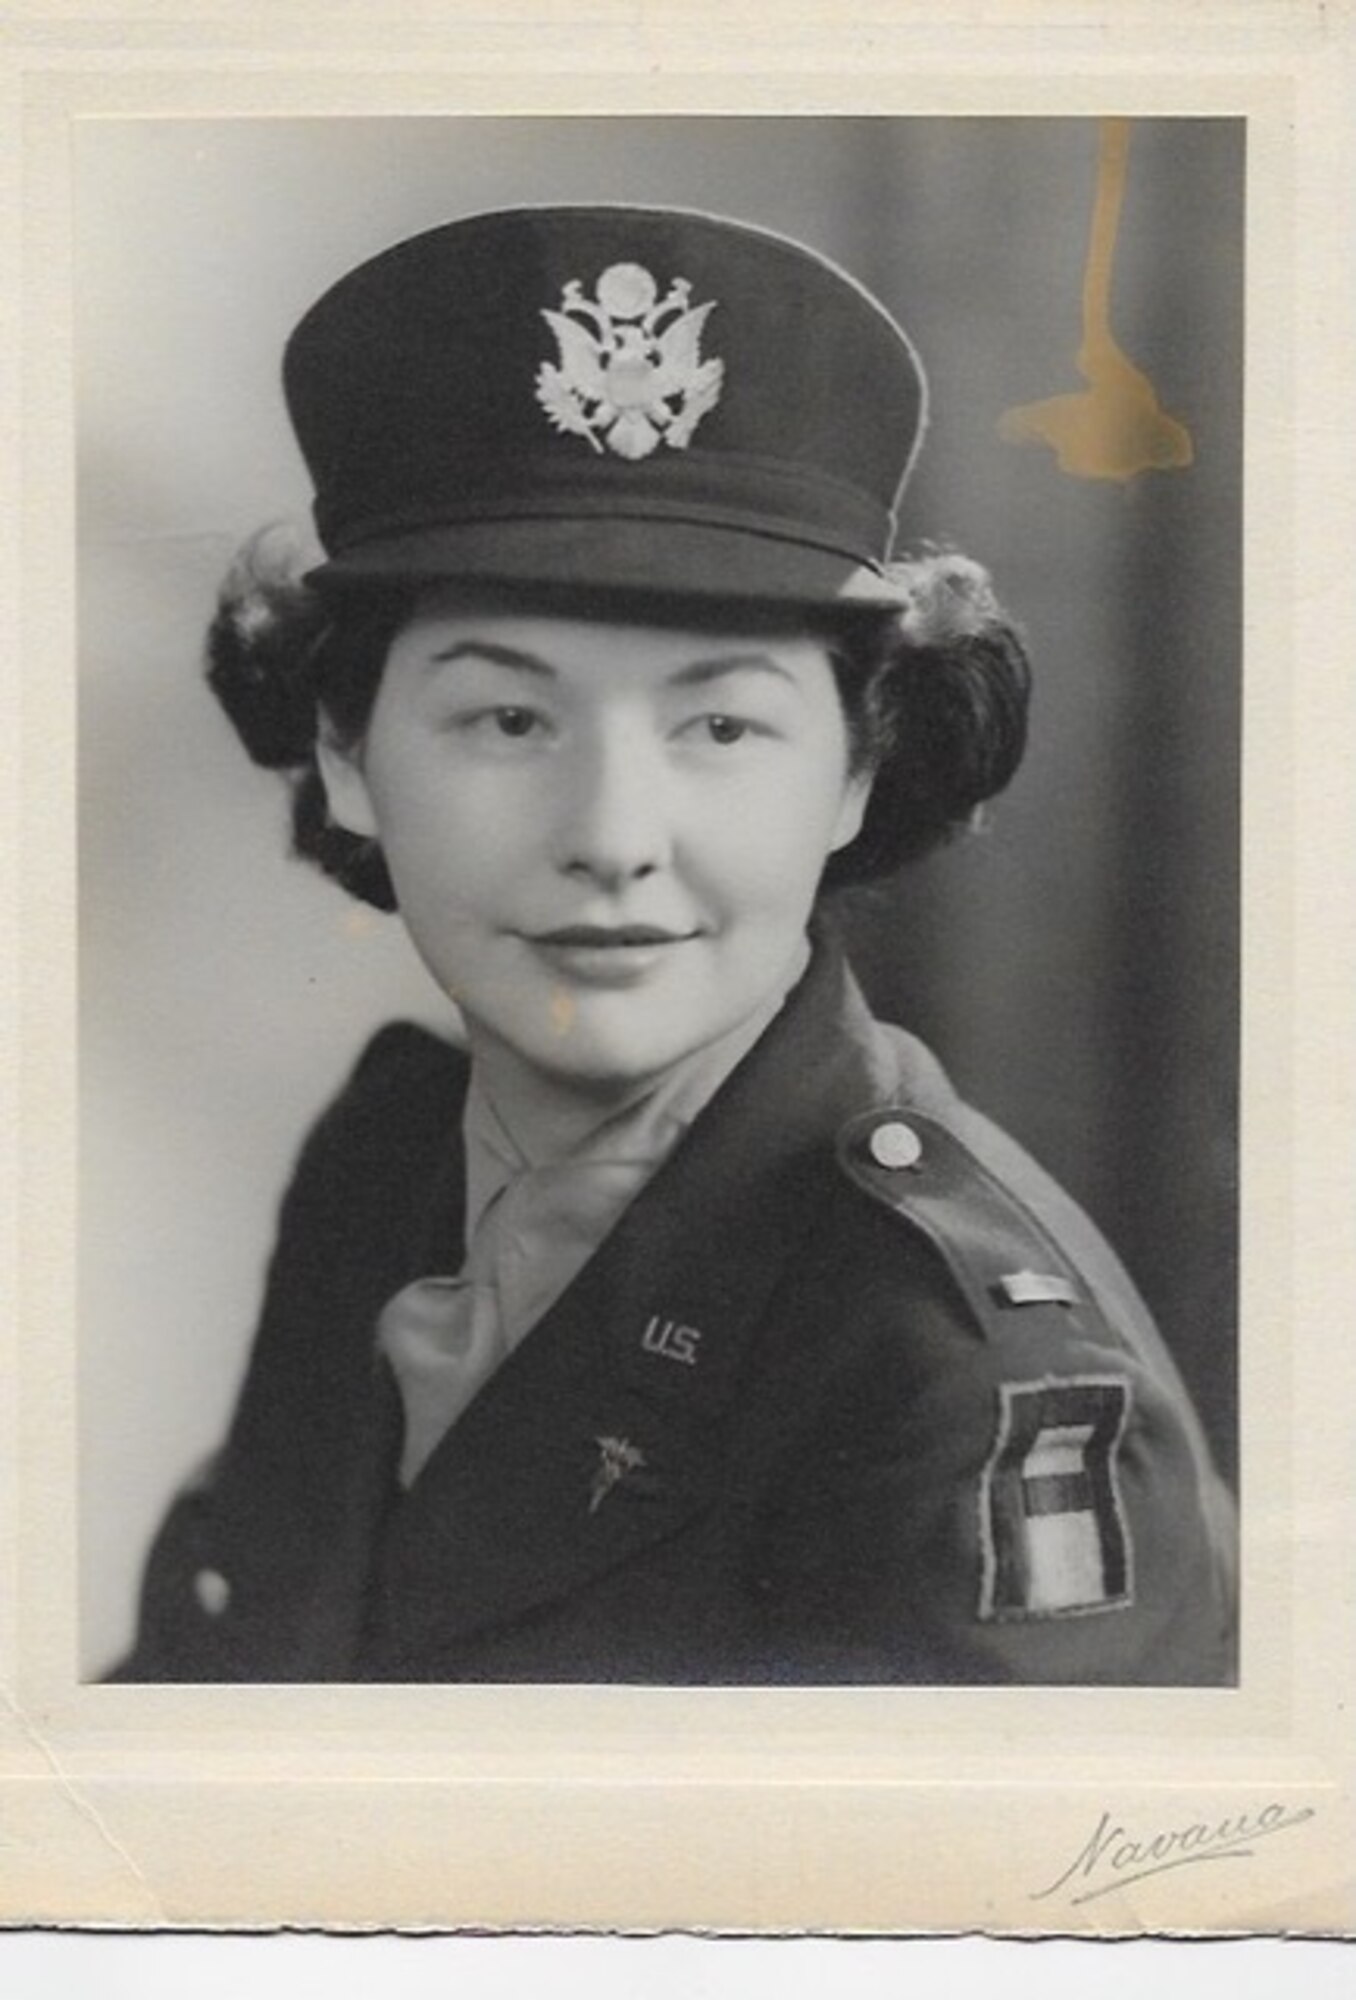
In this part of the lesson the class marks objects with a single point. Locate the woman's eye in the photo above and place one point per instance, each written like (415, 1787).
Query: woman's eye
(494, 725)
(724, 729)
(514, 721)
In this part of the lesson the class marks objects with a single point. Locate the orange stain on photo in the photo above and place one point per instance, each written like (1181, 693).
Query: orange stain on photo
(1116, 428)
(562, 1011)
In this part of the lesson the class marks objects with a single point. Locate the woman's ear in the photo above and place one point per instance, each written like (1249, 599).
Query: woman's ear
(856, 795)
(341, 773)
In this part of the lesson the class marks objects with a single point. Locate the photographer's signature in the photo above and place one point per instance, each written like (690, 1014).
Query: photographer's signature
(1114, 1856)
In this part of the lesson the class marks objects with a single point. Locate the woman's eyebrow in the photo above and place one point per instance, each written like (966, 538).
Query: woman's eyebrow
(699, 672)
(491, 650)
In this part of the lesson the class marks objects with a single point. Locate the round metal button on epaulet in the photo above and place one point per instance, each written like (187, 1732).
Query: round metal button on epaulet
(895, 1145)
(212, 1590)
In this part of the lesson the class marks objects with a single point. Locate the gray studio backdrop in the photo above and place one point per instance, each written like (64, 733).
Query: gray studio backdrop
(1075, 967)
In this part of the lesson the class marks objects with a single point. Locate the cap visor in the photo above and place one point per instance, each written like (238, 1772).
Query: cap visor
(664, 558)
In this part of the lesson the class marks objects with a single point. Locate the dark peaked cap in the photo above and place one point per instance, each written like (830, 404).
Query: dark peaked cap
(612, 396)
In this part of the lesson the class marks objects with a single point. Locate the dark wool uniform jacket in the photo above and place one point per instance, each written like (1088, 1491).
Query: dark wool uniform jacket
(852, 1392)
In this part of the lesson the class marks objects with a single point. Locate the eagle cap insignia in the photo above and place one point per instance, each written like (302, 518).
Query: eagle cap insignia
(629, 372)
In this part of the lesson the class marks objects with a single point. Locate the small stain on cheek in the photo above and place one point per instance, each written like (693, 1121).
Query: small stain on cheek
(359, 922)
(562, 1011)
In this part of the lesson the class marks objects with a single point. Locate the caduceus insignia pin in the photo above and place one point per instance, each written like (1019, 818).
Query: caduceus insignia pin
(616, 1457)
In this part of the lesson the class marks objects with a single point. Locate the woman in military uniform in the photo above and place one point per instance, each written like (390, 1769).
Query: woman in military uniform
(685, 1326)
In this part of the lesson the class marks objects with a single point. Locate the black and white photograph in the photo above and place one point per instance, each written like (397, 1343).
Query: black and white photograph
(659, 857)
(678, 1201)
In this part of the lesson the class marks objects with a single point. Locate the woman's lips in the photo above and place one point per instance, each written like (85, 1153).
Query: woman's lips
(608, 955)
(611, 937)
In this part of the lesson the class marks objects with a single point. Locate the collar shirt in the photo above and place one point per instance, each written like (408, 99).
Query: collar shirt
(535, 1214)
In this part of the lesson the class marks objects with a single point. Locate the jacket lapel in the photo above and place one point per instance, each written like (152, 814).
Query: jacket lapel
(601, 1434)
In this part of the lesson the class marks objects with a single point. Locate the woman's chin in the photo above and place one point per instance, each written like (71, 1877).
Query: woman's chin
(574, 1049)
(598, 1067)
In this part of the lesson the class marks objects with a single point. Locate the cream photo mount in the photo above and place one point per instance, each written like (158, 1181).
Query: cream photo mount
(1020, 1810)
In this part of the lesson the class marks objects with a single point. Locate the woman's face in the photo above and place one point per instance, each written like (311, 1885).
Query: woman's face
(605, 839)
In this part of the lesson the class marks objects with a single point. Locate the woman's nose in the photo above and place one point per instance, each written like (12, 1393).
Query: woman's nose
(614, 825)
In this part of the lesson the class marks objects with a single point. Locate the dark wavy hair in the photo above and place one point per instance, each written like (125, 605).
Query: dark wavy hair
(933, 676)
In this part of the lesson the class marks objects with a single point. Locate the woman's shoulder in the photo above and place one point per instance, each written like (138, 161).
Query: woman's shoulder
(1001, 1409)
(400, 1099)
(947, 1211)
(406, 1063)
(404, 1050)
(1010, 1235)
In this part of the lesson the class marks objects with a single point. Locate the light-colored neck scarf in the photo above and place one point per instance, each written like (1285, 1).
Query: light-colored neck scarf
(533, 1220)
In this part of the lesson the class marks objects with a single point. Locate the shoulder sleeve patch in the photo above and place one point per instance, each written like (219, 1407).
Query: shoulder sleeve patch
(1054, 1540)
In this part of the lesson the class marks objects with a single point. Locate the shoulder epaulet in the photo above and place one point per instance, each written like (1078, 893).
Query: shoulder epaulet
(1002, 1257)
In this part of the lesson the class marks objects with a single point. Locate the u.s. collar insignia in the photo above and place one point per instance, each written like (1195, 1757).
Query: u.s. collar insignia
(629, 372)
(616, 1457)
